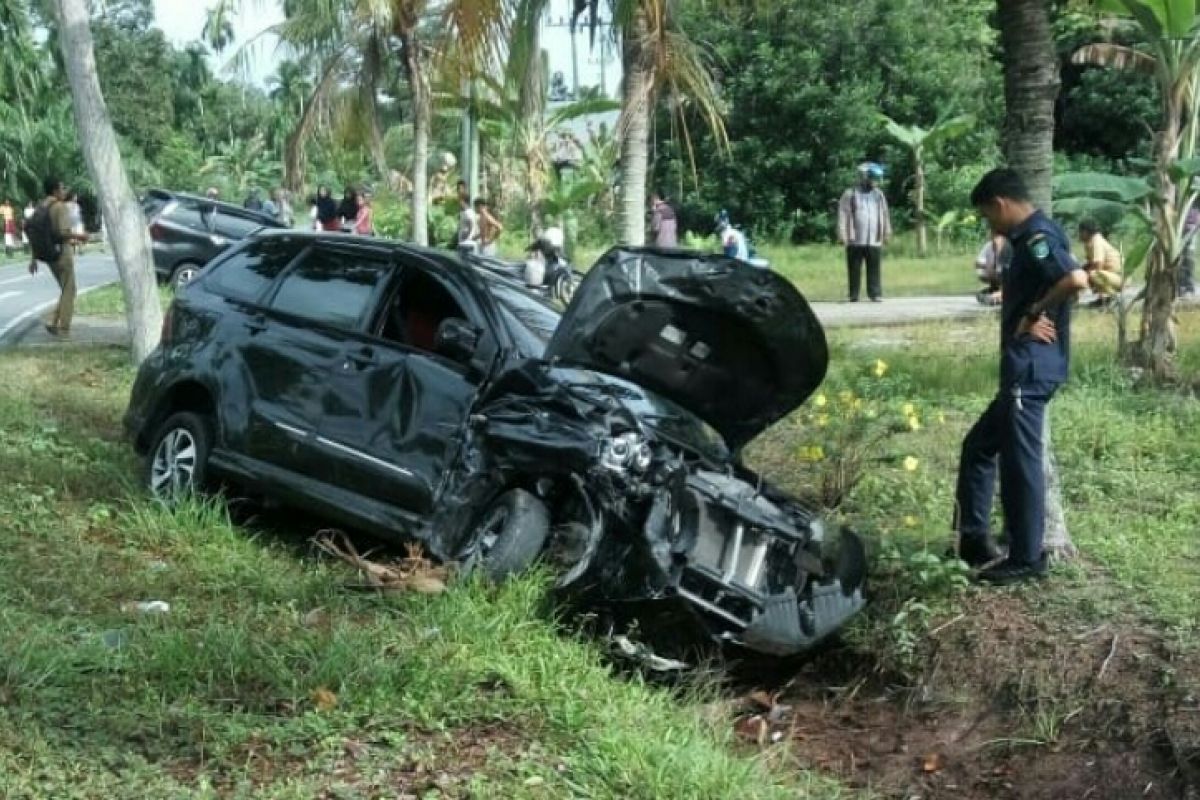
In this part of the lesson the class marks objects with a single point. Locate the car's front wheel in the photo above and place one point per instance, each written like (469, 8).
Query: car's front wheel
(511, 533)
(183, 275)
(178, 462)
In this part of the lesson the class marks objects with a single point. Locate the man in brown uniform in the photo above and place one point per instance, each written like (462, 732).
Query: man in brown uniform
(50, 238)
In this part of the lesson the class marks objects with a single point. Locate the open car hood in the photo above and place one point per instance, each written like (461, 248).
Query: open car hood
(734, 344)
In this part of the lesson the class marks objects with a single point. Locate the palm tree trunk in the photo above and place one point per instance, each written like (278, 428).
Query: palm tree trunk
(422, 110)
(636, 98)
(1031, 83)
(122, 215)
(532, 100)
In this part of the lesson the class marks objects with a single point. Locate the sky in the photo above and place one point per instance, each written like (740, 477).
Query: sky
(183, 20)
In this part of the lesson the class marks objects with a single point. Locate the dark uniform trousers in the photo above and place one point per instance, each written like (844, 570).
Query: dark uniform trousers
(856, 255)
(1009, 434)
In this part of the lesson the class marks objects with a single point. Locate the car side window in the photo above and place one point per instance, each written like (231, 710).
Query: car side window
(332, 287)
(247, 274)
(234, 227)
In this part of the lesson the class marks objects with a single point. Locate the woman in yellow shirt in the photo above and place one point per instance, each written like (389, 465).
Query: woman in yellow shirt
(1102, 262)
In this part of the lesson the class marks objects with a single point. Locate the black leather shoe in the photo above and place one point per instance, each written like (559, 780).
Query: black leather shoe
(978, 551)
(1008, 572)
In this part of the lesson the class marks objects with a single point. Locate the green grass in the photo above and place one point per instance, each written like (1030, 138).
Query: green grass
(218, 697)
(108, 301)
(820, 270)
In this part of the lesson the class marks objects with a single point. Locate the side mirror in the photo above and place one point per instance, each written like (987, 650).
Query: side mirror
(456, 339)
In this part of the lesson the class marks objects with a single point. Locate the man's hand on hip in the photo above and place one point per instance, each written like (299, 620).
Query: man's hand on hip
(1041, 329)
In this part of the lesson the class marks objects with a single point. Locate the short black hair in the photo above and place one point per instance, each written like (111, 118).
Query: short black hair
(1003, 182)
(1089, 225)
(51, 184)
(481, 201)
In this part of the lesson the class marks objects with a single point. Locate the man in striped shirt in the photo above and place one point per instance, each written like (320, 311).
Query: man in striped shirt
(864, 226)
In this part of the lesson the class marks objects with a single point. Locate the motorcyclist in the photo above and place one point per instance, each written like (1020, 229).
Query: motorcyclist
(544, 257)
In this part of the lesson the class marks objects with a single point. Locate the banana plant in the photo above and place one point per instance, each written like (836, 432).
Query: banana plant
(1170, 54)
(920, 142)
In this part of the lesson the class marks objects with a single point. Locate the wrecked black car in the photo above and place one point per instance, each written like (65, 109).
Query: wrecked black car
(402, 391)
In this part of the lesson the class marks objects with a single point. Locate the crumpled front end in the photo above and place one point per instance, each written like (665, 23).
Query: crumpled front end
(657, 531)
(748, 564)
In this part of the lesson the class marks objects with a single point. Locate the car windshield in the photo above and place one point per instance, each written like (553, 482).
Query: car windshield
(531, 321)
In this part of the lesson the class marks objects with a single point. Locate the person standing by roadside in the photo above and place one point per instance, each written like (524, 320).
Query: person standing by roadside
(253, 201)
(364, 220)
(348, 209)
(269, 208)
(8, 217)
(1035, 317)
(466, 238)
(327, 210)
(27, 215)
(283, 207)
(490, 228)
(864, 227)
(76, 213)
(663, 223)
(51, 239)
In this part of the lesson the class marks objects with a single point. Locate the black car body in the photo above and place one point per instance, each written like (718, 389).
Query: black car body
(186, 232)
(402, 391)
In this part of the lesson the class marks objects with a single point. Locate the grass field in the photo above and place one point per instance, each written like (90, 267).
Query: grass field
(268, 678)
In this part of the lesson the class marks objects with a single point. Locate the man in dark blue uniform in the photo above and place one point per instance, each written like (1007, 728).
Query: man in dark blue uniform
(1035, 319)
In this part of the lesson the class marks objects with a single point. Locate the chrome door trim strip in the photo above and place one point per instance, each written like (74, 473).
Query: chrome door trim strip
(370, 459)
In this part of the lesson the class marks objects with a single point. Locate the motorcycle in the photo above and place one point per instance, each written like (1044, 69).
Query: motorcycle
(553, 278)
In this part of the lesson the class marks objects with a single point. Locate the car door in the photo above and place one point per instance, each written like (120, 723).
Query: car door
(396, 409)
(292, 347)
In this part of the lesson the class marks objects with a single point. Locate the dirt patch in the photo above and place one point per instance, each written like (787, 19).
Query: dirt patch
(1014, 704)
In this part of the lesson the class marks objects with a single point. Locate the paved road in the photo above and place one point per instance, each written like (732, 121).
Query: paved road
(24, 297)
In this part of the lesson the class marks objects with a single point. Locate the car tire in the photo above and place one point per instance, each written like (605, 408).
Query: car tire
(183, 274)
(177, 464)
(511, 533)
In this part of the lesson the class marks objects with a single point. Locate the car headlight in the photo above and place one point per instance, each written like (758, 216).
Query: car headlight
(626, 451)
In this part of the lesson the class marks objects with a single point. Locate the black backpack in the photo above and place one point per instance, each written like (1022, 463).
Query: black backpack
(43, 239)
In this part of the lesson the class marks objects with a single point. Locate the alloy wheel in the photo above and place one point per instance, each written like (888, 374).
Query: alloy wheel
(173, 468)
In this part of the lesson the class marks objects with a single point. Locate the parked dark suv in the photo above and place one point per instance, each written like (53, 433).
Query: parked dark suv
(187, 232)
(404, 392)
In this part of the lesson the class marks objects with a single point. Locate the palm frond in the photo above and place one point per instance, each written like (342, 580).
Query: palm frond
(1115, 56)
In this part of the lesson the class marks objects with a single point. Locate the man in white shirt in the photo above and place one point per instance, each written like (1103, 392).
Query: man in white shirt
(864, 226)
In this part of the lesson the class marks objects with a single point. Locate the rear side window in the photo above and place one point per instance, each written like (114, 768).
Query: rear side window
(246, 274)
(234, 227)
(331, 288)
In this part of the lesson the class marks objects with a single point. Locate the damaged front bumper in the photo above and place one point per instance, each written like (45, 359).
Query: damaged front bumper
(723, 563)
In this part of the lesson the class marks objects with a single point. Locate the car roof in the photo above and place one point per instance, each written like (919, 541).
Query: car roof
(220, 205)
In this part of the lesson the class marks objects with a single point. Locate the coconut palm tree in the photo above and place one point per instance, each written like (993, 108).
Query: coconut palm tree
(1031, 84)
(360, 42)
(218, 29)
(126, 227)
(1172, 56)
(657, 59)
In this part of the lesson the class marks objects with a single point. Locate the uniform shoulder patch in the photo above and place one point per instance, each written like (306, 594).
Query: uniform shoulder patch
(1039, 246)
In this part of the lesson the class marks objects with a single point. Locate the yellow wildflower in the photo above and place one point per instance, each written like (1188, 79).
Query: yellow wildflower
(909, 409)
(910, 521)
(911, 463)
(941, 418)
(820, 401)
(914, 424)
(881, 368)
(857, 404)
(813, 453)
(822, 420)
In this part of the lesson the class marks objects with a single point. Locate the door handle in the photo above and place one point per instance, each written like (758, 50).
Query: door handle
(363, 357)
(255, 325)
